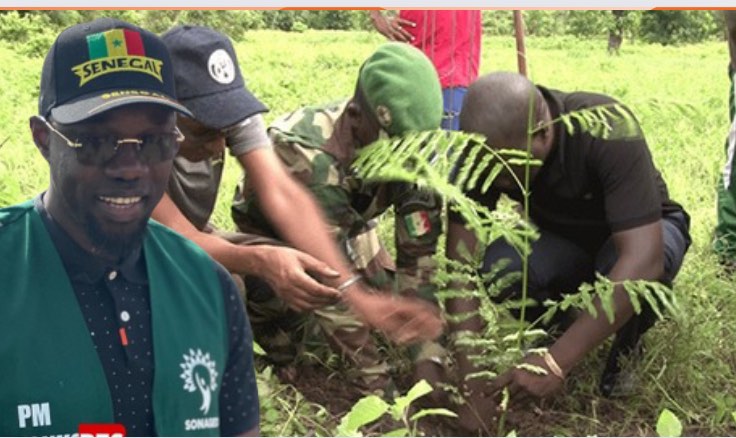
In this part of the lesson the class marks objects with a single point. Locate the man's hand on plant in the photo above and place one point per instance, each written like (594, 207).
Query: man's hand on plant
(484, 398)
(294, 276)
(525, 385)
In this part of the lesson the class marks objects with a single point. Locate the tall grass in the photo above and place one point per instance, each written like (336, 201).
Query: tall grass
(680, 97)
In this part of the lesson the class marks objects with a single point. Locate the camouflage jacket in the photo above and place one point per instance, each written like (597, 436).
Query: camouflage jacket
(350, 204)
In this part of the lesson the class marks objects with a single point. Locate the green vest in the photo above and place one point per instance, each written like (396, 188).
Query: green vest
(51, 378)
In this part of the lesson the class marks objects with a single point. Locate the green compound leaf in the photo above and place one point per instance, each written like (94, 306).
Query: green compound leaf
(366, 410)
(668, 424)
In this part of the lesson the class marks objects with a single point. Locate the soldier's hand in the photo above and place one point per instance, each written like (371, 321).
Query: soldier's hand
(294, 276)
(403, 320)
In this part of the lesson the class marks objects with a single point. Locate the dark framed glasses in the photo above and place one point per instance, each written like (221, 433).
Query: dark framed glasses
(199, 134)
(152, 148)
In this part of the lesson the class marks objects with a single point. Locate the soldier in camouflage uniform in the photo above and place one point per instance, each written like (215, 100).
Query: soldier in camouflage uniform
(318, 145)
(312, 274)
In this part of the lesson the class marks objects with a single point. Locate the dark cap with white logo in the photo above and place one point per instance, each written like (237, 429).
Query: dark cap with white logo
(104, 64)
(208, 78)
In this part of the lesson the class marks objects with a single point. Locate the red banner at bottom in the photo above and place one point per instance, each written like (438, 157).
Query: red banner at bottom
(101, 430)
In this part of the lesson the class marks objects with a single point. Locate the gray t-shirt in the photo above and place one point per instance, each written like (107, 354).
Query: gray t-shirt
(193, 185)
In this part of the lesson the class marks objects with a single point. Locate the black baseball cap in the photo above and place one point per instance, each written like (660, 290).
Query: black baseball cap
(208, 78)
(104, 64)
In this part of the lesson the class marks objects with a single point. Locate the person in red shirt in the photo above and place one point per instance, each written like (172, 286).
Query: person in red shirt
(450, 39)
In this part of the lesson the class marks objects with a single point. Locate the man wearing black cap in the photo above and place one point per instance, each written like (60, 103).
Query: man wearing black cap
(226, 115)
(129, 323)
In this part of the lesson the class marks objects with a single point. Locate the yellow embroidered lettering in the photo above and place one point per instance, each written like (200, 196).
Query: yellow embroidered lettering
(93, 69)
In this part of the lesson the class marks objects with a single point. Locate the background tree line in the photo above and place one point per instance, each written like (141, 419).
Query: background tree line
(36, 30)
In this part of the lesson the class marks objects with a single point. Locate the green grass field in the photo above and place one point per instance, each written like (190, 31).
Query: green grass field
(678, 93)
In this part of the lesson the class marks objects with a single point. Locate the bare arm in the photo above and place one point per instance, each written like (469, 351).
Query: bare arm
(283, 268)
(298, 219)
(641, 257)
(241, 260)
(292, 211)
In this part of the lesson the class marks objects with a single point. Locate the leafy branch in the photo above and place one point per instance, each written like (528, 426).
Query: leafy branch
(610, 121)
(455, 163)
(428, 159)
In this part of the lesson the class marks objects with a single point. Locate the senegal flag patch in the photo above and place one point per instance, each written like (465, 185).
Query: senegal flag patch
(418, 223)
(114, 51)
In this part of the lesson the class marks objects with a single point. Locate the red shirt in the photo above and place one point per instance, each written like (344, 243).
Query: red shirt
(451, 40)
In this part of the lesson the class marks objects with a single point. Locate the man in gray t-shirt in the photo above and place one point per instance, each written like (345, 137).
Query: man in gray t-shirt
(195, 179)
(228, 117)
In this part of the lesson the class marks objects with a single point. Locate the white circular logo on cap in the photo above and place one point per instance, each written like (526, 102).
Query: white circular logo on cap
(221, 67)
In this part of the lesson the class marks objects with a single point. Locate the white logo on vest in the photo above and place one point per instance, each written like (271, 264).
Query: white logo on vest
(221, 67)
(196, 365)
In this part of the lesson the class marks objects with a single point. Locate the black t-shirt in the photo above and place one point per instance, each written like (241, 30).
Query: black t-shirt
(588, 186)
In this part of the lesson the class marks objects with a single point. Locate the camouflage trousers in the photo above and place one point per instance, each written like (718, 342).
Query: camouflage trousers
(286, 334)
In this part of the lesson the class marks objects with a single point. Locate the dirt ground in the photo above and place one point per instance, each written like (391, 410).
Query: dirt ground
(329, 389)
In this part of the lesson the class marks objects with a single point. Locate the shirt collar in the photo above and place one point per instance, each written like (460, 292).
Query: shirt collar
(556, 108)
(81, 265)
(553, 166)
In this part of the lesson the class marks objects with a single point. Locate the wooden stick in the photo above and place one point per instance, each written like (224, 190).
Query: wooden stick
(520, 50)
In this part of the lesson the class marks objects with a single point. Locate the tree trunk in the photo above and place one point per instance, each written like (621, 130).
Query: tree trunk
(616, 32)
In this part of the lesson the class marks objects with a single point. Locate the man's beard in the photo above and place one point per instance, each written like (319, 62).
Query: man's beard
(117, 245)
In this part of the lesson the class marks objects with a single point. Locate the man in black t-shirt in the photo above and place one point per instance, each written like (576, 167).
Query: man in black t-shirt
(600, 206)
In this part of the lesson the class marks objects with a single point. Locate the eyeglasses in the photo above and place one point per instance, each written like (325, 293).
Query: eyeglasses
(152, 148)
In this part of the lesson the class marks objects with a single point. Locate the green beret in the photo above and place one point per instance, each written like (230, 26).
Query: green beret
(400, 85)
